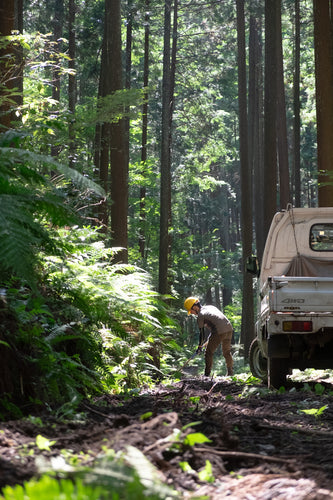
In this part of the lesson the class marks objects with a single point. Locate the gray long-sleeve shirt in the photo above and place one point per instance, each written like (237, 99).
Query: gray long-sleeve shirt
(214, 319)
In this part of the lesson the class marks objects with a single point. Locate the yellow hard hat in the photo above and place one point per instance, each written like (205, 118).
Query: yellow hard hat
(189, 303)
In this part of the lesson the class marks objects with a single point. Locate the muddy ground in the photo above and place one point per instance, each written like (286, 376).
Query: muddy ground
(262, 444)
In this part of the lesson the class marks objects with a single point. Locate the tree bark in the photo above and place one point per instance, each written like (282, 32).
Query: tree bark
(256, 128)
(102, 132)
(297, 107)
(324, 99)
(142, 233)
(110, 137)
(18, 51)
(270, 160)
(165, 193)
(118, 156)
(282, 137)
(71, 81)
(58, 21)
(247, 331)
(128, 68)
(7, 61)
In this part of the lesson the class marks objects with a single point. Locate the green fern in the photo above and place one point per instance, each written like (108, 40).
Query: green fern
(129, 476)
(52, 489)
(30, 204)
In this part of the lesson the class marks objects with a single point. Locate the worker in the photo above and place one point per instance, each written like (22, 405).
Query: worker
(220, 328)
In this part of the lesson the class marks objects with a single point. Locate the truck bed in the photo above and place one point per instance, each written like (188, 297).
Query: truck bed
(300, 294)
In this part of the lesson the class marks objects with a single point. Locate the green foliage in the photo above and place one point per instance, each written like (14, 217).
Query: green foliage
(118, 299)
(52, 489)
(319, 389)
(129, 475)
(206, 474)
(91, 325)
(196, 438)
(316, 412)
(47, 363)
(114, 107)
(126, 475)
(44, 443)
(185, 466)
(28, 199)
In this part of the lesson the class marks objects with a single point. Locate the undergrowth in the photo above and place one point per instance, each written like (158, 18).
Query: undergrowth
(91, 326)
(113, 477)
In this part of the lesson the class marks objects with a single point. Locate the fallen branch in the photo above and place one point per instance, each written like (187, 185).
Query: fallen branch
(242, 454)
(211, 389)
(324, 434)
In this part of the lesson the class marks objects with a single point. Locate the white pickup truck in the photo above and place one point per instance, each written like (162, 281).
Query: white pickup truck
(294, 326)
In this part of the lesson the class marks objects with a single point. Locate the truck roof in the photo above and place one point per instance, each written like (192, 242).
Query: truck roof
(295, 244)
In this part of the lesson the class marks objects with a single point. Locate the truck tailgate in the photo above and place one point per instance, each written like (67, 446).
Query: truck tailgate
(301, 294)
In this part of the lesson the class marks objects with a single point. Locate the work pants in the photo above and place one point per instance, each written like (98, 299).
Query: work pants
(214, 341)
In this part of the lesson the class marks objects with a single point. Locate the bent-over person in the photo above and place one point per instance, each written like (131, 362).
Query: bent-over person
(220, 328)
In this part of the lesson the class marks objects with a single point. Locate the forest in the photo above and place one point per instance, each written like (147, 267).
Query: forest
(144, 148)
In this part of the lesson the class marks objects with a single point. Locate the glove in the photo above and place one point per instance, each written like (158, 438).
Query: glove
(199, 349)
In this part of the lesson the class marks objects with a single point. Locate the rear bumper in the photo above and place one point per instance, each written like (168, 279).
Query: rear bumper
(320, 322)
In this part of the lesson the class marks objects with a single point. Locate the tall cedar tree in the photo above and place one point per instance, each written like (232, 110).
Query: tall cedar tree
(256, 127)
(165, 193)
(18, 50)
(102, 132)
(7, 23)
(297, 112)
(142, 234)
(270, 160)
(128, 69)
(118, 156)
(71, 80)
(247, 332)
(58, 22)
(281, 126)
(110, 137)
(323, 41)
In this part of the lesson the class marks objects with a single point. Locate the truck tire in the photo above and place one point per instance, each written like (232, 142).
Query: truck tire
(258, 364)
(278, 370)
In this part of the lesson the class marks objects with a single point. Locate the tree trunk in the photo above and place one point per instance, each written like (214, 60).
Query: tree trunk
(297, 106)
(118, 156)
(7, 61)
(142, 234)
(270, 160)
(282, 139)
(110, 137)
(247, 332)
(324, 99)
(57, 34)
(128, 68)
(255, 129)
(58, 21)
(18, 51)
(71, 80)
(165, 195)
(102, 132)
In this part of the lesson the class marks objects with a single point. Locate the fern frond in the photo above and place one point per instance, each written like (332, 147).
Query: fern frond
(21, 236)
(20, 156)
(27, 199)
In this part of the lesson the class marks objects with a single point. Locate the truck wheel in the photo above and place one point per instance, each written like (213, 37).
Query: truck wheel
(278, 370)
(258, 364)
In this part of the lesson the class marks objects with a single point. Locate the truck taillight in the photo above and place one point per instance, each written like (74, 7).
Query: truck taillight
(297, 326)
